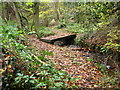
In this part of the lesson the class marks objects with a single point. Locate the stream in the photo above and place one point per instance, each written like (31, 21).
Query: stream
(96, 57)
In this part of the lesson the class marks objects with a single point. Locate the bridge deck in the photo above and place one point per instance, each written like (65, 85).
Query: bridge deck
(52, 39)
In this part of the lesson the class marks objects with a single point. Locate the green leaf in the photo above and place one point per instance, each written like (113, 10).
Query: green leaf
(20, 31)
(32, 81)
(32, 32)
(41, 58)
(26, 76)
(90, 59)
(40, 84)
(61, 73)
(26, 80)
(59, 84)
(19, 74)
(44, 52)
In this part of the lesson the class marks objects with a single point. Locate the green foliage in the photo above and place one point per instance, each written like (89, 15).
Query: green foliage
(104, 49)
(74, 28)
(28, 70)
(102, 67)
(91, 59)
(25, 68)
(88, 15)
(94, 12)
(109, 79)
(24, 81)
(44, 52)
(91, 16)
(113, 40)
(44, 31)
(32, 32)
(80, 42)
(12, 36)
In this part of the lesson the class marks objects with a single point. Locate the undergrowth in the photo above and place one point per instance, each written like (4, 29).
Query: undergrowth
(111, 76)
(25, 68)
(43, 31)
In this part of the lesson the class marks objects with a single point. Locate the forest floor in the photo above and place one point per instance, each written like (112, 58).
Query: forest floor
(75, 61)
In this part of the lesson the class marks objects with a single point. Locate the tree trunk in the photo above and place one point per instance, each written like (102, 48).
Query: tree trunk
(17, 14)
(117, 10)
(56, 10)
(36, 18)
(5, 14)
(116, 21)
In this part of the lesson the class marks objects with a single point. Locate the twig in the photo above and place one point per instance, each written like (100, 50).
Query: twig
(39, 59)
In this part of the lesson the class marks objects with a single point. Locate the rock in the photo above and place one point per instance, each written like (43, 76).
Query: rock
(53, 22)
(60, 43)
(74, 46)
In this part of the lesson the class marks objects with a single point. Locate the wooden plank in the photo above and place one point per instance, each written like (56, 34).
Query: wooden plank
(52, 39)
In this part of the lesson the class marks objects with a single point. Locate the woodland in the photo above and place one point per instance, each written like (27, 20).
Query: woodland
(89, 60)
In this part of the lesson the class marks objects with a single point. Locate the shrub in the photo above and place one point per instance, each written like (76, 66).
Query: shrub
(23, 68)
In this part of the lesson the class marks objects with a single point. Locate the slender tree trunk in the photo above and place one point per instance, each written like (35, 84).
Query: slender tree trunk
(56, 10)
(3, 11)
(17, 14)
(5, 15)
(36, 18)
(117, 10)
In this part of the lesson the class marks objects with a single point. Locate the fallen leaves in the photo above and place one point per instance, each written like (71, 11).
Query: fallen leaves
(8, 56)
(74, 61)
(57, 36)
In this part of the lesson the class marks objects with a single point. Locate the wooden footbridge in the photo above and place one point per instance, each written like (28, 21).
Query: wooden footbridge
(65, 38)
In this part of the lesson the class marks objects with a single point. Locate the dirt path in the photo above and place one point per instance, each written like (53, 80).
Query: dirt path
(73, 61)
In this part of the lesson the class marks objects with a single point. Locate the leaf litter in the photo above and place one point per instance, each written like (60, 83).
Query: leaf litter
(72, 61)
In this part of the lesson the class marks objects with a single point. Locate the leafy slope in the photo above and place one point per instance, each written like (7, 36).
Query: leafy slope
(76, 63)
